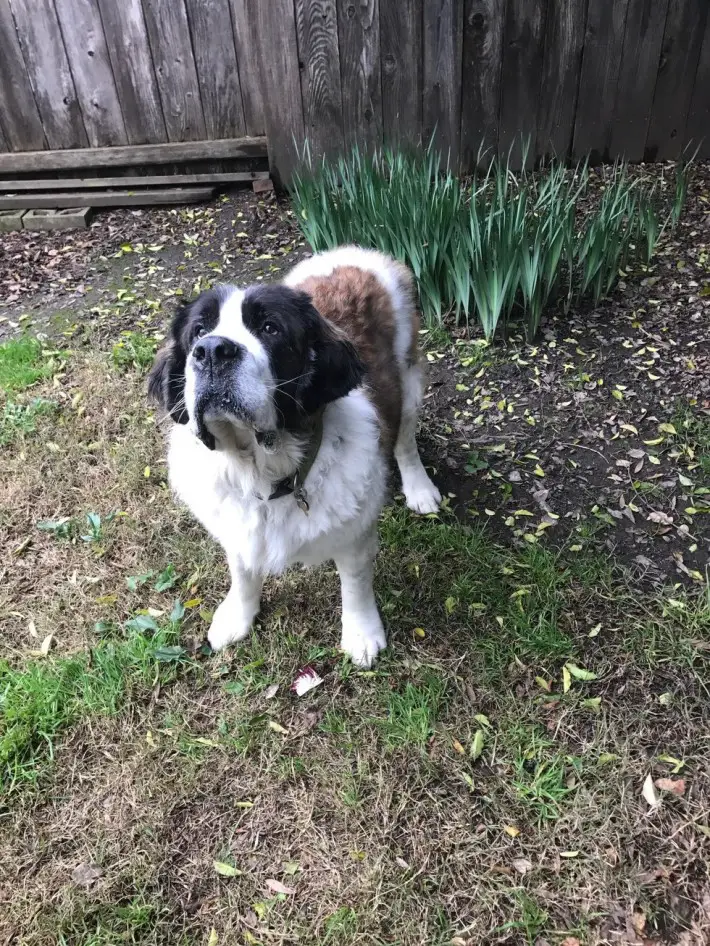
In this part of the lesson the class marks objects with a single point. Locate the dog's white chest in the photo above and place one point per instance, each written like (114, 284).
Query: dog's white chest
(346, 488)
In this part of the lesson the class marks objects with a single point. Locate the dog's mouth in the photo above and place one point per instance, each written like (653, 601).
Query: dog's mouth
(215, 410)
(221, 415)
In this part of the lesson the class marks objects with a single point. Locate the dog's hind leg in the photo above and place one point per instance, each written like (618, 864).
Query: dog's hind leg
(419, 491)
(363, 634)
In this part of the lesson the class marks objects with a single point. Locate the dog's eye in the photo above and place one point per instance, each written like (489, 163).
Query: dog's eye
(200, 332)
(270, 328)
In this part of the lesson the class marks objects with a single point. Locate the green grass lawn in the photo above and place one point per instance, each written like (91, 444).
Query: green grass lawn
(487, 782)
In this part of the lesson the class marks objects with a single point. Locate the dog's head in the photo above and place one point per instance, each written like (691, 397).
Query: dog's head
(260, 359)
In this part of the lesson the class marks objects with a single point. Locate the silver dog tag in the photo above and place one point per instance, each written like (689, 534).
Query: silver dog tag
(301, 497)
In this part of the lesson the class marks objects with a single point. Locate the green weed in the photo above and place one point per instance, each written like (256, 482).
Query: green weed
(22, 364)
(138, 921)
(133, 351)
(68, 527)
(693, 431)
(540, 783)
(412, 712)
(341, 926)
(532, 918)
(20, 420)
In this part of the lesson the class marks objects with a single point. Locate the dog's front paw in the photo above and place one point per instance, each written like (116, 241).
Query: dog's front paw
(228, 625)
(362, 640)
(422, 496)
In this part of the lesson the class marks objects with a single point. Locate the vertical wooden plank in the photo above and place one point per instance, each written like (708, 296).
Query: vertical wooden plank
(484, 21)
(129, 50)
(640, 57)
(520, 78)
(319, 58)
(170, 43)
(443, 51)
(3, 140)
(604, 38)
(271, 34)
(680, 54)
(217, 71)
(562, 61)
(252, 92)
(84, 41)
(401, 54)
(697, 130)
(359, 37)
(49, 73)
(18, 110)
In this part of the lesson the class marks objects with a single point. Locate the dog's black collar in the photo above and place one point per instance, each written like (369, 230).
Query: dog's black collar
(295, 482)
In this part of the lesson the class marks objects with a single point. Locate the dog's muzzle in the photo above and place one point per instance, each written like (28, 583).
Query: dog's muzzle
(214, 359)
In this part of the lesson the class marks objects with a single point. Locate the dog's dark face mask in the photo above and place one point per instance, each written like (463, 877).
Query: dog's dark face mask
(263, 359)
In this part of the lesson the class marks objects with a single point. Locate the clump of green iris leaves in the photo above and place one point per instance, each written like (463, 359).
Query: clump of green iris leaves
(501, 246)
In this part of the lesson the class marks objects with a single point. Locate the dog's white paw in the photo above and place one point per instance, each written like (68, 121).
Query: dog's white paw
(362, 640)
(229, 625)
(422, 496)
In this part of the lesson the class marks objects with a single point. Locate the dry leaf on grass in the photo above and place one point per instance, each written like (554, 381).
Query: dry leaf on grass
(566, 679)
(661, 517)
(522, 865)
(85, 874)
(226, 870)
(477, 745)
(649, 792)
(579, 673)
(674, 785)
(638, 921)
(44, 647)
(275, 886)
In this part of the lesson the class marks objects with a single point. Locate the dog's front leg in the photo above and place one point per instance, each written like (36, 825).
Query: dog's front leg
(233, 619)
(363, 634)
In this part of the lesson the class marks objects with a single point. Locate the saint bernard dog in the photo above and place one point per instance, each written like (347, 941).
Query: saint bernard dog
(288, 402)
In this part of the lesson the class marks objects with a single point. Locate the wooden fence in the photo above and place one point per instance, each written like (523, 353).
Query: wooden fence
(611, 77)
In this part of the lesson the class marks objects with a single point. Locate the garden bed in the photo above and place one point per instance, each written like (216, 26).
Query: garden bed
(526, 765)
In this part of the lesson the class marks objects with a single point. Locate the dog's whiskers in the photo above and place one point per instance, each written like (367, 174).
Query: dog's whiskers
(291, 380)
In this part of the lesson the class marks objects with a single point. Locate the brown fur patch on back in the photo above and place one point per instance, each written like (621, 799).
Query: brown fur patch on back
(357, 303)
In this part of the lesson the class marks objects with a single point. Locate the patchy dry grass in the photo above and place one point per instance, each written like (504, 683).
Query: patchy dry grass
(482, 784)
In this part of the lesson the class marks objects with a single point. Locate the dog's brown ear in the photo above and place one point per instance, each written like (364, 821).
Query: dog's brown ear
(166, 381)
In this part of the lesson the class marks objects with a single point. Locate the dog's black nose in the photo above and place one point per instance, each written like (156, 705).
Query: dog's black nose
(216, 350)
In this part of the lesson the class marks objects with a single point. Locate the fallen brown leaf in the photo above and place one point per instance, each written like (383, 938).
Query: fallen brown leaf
(275, 886)
(639, 921)
(85, 874)
(674, 785)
